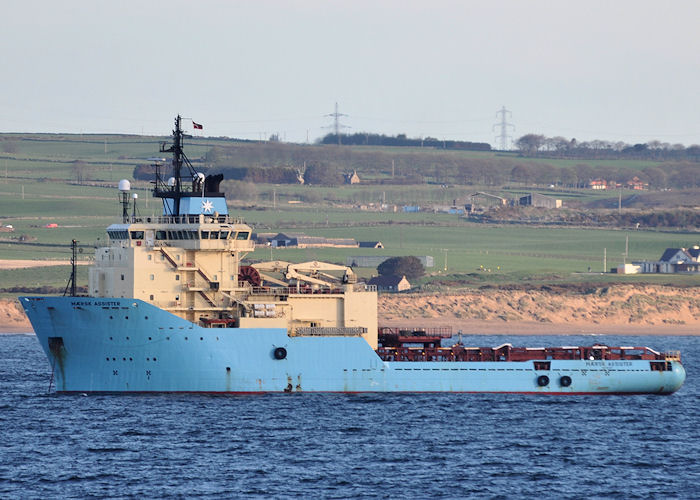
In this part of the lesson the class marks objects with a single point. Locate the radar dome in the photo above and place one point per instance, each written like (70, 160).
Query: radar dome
(200, 176)
(171, 181)
(124, 185)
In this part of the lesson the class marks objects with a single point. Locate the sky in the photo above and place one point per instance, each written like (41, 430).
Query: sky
(612, 70)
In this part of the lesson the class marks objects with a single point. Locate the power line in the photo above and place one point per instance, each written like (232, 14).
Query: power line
(504, 128)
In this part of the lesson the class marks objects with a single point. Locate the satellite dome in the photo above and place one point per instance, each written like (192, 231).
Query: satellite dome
(124, 185)
(200, 176)
(171, 181)
(135, 195)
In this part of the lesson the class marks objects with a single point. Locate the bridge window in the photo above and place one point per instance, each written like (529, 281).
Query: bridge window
(224, 235)
(136, 235)
(161, 235)
(242, 235)
(118, 235)
(205, 235)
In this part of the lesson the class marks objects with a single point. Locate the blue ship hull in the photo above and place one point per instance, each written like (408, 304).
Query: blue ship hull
(126, 345)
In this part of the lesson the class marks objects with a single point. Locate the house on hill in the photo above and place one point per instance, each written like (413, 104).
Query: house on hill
(352, 178)
(390, 283)
(636, 184)
(598, 184)
(674, 260)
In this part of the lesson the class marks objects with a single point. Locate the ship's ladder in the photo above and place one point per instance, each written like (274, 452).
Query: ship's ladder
(168, 257)
(206, 297)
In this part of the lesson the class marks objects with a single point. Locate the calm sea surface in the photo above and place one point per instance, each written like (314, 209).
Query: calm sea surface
(346, 446)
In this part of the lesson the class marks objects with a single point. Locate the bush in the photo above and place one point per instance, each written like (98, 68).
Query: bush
(410, 266)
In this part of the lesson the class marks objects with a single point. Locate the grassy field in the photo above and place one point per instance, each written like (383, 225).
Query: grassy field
(36, 189)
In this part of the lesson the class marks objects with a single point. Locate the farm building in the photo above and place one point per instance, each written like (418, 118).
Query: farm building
(539, 200)
(282, 240)
(371, 244)
(375, 260)
(390, 283)
(482, 201)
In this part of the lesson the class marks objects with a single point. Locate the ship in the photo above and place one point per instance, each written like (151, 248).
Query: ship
(174, 305)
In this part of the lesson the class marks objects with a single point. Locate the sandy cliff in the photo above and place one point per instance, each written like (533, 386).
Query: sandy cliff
(603, 309)
(624, 309)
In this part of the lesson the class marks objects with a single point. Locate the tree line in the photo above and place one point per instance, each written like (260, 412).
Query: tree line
(536, 145)
(639, 219)
(400, 140)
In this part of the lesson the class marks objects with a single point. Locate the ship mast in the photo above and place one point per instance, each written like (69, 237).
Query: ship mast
(176, 190)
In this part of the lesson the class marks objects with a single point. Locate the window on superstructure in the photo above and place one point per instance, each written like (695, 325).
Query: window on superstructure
(214, 235)
(136, 235)
(177, 277)
(161, 235)
(152, 277)
(243, 235)
(224, 235)
(180, 236)
(205, 235)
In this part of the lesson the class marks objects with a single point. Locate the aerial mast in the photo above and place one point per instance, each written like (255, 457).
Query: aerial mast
(175, 191)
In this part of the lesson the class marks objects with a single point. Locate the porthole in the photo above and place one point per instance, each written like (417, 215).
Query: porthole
(149, 338)
(201, 338)
(154, 359)
(148, 359)
(123, 359)
(146, 316)
(185, 338)
(126, 317)
(107, 359)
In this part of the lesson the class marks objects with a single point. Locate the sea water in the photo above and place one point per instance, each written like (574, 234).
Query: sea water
(347, 446)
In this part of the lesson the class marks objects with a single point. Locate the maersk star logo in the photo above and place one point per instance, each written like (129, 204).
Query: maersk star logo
(207, 206)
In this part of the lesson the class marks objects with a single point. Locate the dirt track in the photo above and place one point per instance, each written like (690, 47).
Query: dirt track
(24, 264)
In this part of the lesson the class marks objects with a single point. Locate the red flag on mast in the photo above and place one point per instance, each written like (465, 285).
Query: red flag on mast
(197, 126)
